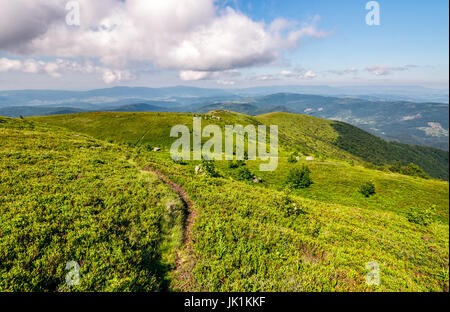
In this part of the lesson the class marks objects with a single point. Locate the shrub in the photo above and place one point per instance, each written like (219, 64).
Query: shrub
(236, 164)
(367, 189)
(292, 159)
(209, 167)
(414, 171)
(179, 161)
(97, 162)
(421, 216)
(244, 174)
(410, 170)
(288, 205)
(299, 178)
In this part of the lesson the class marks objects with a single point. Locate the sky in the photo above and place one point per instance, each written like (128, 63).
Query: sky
(85, 44)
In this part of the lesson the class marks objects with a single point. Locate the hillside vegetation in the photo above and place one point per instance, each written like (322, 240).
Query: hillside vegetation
(360, 143)
(306, 134)
(244, 237)
(247, 238)
(67, 197)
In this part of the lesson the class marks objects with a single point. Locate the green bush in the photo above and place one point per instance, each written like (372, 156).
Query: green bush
(236, 164)
(97, 162)
(411, 170)
(286, 204)
(209, 166)
(292, 159)
(244, 174)
(421, 216)
(179, 161)
(414, 171)
(367, 189)
(299, 178)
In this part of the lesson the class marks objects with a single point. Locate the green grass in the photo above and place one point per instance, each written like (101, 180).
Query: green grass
(247, 237)
(67, 197)
(305, 134)
(358, 143)
(338, 182)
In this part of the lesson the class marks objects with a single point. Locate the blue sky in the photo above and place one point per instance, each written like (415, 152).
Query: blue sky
(415, 30)
(410, 47)
(411, 32)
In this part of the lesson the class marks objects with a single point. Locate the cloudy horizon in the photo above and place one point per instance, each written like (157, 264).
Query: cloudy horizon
(219, 44)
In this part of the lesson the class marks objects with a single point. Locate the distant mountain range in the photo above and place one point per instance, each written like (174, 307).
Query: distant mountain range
(406, 122)
(393, 113)
(374, 93)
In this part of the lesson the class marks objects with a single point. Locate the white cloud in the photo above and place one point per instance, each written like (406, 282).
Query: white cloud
(351, 70)
(193, 36)
(191, 75)
(226, 82)
(264, 78)
(379, 70)
(310, 74)
(60, 67)
(299, 74)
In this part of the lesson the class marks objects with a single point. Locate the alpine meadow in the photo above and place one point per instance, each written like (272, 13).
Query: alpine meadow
(93, 187)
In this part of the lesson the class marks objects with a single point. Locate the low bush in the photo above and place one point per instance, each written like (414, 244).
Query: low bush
(244, 174)
(209, 167)
(299, 178)
(292, 159)
(236, 164)
(367, 189)
(421, 216)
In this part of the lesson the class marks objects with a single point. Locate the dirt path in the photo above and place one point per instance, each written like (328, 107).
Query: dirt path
(184, 260)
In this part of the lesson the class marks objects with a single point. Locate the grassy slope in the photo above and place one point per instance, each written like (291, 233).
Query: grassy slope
(336, 181)
(247, 239)
(67, 197)
(305, 134)
(359, 143)
(154, 129)
(244, 238)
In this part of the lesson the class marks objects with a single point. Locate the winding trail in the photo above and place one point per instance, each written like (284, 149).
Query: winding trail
(184, 259)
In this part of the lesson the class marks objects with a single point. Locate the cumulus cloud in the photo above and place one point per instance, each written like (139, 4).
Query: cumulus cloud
(191, 75)
(193, 36)
(267, 77)
(299, 74)
(379, 70)
(23, 20)
(60, 67)
(344, 71)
